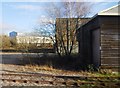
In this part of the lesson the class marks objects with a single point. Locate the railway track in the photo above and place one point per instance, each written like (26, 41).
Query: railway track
(58, 80)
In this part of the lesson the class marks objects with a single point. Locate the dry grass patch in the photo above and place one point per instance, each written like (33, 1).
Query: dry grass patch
(37, 68)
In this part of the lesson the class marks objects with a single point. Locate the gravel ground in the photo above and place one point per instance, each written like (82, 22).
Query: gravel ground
(19, 69)
(32, 69)
(37, 69)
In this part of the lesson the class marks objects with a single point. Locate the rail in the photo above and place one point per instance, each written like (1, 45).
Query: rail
(66, 80)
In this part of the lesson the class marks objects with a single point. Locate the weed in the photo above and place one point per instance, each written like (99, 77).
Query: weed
(91, 68)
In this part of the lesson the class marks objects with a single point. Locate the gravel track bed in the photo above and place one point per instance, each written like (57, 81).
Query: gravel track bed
(42, 78)
(29, 83)
(30, 70)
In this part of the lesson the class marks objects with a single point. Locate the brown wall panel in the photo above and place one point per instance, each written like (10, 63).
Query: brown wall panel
(109, 40)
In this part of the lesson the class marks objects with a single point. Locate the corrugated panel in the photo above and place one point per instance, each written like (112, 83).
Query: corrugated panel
(109, 48)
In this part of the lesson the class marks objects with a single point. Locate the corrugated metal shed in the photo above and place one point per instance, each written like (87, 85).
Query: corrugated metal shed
(98, 39)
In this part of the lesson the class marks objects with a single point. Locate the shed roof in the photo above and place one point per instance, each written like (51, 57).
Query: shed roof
(111, 11)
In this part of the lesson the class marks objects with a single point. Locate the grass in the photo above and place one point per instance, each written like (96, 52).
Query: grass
(38, 68)
(68, 65)
(100, 73)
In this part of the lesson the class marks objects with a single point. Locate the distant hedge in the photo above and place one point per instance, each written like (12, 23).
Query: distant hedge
(9, 50)
(30, 51)
(42, 51)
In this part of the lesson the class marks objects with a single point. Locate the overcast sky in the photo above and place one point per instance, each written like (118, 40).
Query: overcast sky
(23, 15)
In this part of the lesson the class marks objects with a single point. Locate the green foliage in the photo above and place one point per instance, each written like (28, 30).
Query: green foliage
(87, 86)
(91, 68)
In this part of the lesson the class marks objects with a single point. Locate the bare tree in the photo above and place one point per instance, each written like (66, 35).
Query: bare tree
(5, 42)
(68, 18)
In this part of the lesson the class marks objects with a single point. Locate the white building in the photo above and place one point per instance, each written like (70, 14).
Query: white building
(24, 38)
(33, 39)
(27, 38)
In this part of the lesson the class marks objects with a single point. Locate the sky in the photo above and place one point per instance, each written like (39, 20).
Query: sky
(24, 15)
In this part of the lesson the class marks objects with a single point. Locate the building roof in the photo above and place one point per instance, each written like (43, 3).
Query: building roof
(111, 11)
